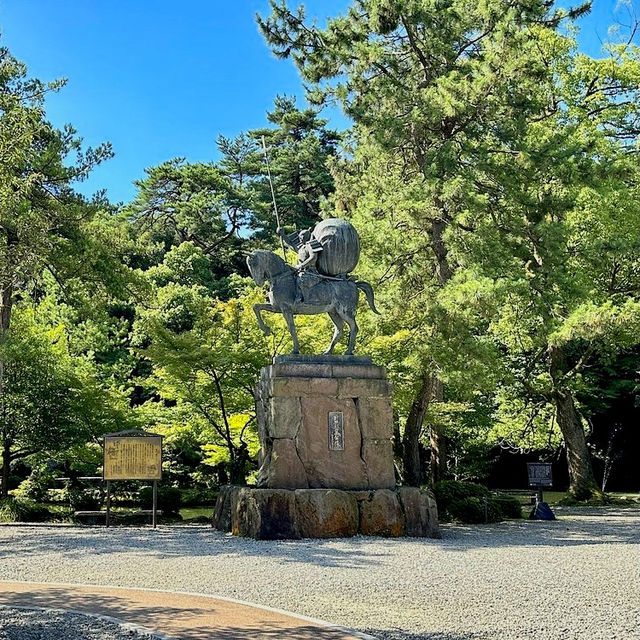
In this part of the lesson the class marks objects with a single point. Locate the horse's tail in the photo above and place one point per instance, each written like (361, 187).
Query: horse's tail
(368, 291)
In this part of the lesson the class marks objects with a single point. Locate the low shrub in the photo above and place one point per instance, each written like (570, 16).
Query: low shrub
(198, 520)
(465, 502)
(448, 491)
(472, 510)
(14, 509)
(598, 499)
(36, 486)
(169, 499)
(58, 496)
(469, 510)
(198, 496)
(509, 506)
(85, 499)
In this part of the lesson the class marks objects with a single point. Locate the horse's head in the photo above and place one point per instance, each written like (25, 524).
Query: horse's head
(263, 265)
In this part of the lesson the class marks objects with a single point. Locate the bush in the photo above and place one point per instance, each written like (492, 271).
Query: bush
(21, 510)
(198, 496)
(472, 510)
(465, 502)
(35, 487)
(59, 496)
(509, 506)
(598, 499)
(169, 499)
(449, 491)
(85, 499)
(199, 520)
(468, 510)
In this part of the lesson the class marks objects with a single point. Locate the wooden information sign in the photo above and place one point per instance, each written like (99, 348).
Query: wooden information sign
(132, 455)
(132, 458)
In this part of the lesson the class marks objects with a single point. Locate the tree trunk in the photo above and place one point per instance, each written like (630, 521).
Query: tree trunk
(412, 429)
(429, 385)
(437, 441)
(5, 319)
(444, 273)
(582, 483)
(443, 269)
(6, 466)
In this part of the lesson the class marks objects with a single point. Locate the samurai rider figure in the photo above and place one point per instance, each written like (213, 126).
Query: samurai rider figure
(307, 248)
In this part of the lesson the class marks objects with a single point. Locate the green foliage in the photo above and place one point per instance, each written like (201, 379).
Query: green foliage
(50, 400)
(299, 147)
(86, 499)
(509, 506)
(494, 177)
(36, 486)
(197, 497)
(206, 374)
(190, 202)
(449, 491)
(14, 509)
(466, 502)
(470, 510)
(599, 499)
(169, 499)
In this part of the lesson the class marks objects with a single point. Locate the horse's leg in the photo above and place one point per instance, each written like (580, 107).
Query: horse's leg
(288, 316)
(338, 323)
(257, 308)
(353, 331)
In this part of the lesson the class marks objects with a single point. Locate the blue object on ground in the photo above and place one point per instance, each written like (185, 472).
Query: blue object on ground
(542, 511)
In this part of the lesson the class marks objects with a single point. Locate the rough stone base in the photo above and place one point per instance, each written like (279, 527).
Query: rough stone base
(274, 514)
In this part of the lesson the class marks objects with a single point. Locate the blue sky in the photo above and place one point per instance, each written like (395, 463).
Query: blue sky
(161, 78)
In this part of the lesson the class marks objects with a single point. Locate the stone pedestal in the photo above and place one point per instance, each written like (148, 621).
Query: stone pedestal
(325, 422)
(275, 514)
(326, 463)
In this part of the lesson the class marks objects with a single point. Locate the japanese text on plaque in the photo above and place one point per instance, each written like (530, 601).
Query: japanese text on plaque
(336, 431)
(132, 458)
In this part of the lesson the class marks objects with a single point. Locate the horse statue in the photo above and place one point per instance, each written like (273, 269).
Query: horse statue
(337, 296)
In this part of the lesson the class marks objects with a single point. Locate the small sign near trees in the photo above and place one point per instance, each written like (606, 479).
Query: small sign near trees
(539, 477)
(539, 474)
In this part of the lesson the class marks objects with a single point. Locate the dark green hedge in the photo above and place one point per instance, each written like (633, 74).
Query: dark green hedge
(22, 510)
(465, 502)
(169, 499)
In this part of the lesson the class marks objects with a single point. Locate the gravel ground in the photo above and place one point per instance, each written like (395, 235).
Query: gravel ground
(24, 624)
(575, 578)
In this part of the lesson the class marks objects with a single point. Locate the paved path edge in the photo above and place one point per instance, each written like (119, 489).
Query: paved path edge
(244, 603)
(130, 626)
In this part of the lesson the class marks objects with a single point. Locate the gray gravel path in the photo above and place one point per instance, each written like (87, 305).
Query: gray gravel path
(575, 578)
(24, 624)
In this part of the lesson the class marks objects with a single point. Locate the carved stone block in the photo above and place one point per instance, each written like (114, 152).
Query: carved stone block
(295, 401)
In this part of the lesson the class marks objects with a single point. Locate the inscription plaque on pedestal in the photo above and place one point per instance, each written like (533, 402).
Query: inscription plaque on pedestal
(336, 431)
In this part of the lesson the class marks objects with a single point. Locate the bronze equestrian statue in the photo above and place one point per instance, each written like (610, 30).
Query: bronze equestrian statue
(319, 283)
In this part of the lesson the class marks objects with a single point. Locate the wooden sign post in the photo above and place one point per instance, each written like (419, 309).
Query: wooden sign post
(540, 476)
(132, 455)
